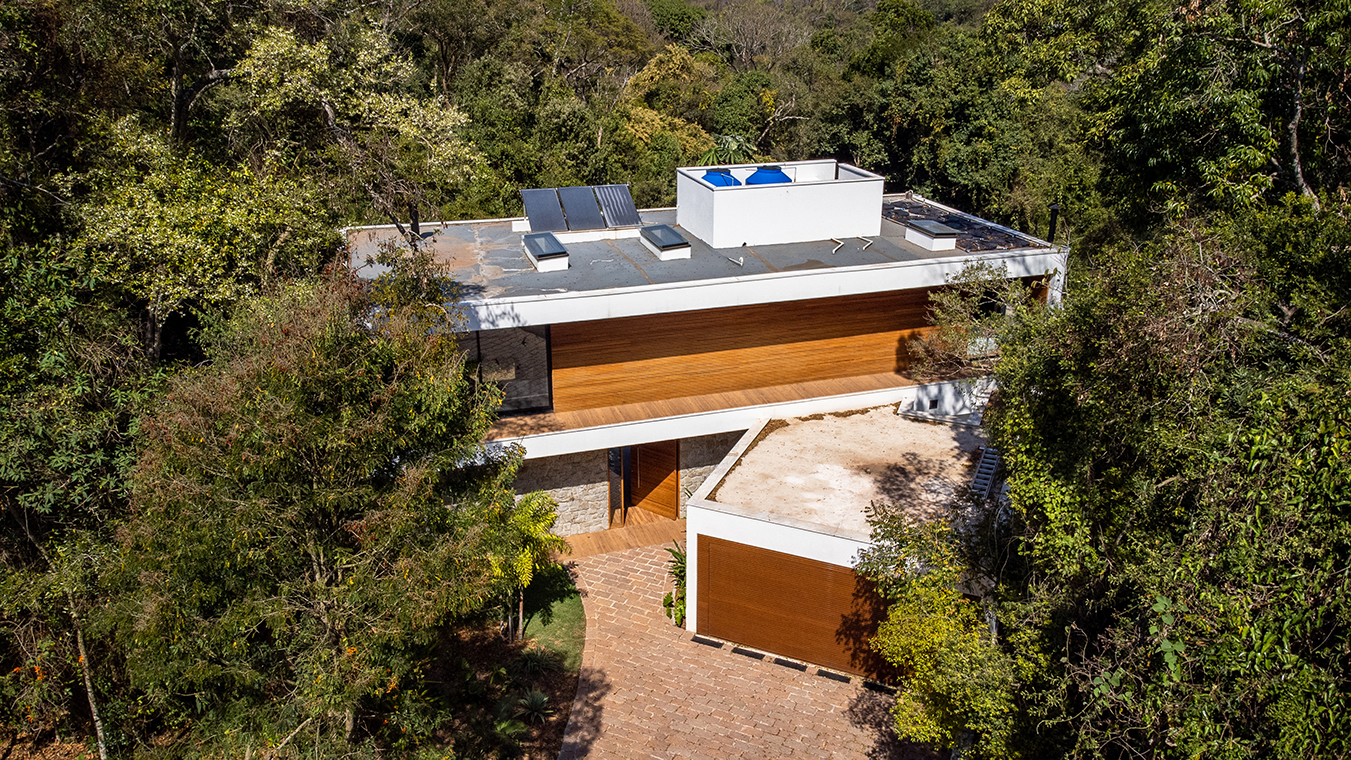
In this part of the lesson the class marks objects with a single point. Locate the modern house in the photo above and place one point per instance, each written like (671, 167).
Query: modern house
(637, 348)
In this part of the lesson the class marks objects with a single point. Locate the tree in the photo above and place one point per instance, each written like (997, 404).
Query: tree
(958, 683)
(71, 379)
(395, 143)
(1172, 578)
(179, 235)
(311, 508)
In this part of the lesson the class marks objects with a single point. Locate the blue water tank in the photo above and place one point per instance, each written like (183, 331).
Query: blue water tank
(767, 175)
(721, 177)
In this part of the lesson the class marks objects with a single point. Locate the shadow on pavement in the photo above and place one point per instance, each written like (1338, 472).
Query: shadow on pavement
(871, 711)
(584, 725)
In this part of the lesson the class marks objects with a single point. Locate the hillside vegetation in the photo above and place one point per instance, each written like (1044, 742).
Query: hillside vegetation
(243, 517)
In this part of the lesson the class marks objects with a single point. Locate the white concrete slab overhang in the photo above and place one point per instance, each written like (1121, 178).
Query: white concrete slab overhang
(774, 287)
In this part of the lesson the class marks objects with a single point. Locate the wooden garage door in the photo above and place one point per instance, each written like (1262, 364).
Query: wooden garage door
(610, 362)
(805, 609)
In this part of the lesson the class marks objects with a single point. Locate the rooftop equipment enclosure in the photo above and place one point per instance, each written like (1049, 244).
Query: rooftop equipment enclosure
(824, 200)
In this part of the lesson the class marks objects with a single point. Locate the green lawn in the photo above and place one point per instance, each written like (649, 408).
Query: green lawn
(554, 617)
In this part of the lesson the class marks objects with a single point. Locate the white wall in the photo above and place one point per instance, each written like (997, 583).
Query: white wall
(818, 206)
(695, 214)
(953, 398)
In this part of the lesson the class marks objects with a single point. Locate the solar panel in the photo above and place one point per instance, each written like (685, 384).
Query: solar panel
(543, 211)
(579, 203)
(618, 206)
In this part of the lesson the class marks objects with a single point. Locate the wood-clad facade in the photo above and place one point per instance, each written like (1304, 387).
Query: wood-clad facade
(612, 362)
(789, 605)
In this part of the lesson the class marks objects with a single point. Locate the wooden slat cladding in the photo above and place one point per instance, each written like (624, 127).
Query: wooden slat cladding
(630, 360)
(656, 485)
(805, 609)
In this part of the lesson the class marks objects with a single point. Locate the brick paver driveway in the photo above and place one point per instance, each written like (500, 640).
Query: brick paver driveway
(648, 690)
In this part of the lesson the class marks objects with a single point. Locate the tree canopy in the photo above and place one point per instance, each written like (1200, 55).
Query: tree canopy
(229, 474)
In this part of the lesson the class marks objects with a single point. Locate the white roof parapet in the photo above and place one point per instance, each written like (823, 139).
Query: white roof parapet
(824, 200)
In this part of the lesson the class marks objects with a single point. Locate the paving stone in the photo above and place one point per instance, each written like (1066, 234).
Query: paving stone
(649, 690)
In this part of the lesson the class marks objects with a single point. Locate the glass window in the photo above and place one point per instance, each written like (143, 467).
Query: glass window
(517, 359)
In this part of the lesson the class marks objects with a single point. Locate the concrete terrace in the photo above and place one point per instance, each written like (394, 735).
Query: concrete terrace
(825, 470)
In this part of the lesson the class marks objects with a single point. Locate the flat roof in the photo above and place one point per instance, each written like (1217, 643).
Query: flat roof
(486, 257)
(825, 470)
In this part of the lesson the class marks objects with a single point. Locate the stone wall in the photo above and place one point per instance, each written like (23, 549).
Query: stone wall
(580, 485)
(580, 482)
(699, 457)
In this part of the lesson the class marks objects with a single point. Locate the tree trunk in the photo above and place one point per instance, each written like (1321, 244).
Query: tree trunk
(88, 678)
(1292, 140)
(153, 336)
(185, 96)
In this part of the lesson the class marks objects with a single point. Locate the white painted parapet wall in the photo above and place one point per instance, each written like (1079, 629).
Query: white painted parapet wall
(825, 200)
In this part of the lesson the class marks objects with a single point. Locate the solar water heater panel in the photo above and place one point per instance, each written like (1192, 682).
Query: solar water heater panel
(579, 203)
(618, 206)
(543, 211)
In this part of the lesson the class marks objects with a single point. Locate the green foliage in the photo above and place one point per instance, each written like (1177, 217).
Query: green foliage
(313, 506)
(534, 707)
(71, 381)
(969, 318)
(728, 149)
(675, 19)
(674, 602)
(959, 684)
(1175, 438)
(177, 234)
(897, 25)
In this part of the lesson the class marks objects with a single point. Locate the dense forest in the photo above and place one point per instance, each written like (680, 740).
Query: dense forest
(241, 516)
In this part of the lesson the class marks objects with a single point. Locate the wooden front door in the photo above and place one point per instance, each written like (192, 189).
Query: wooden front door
(656, 481)
(645, 483)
